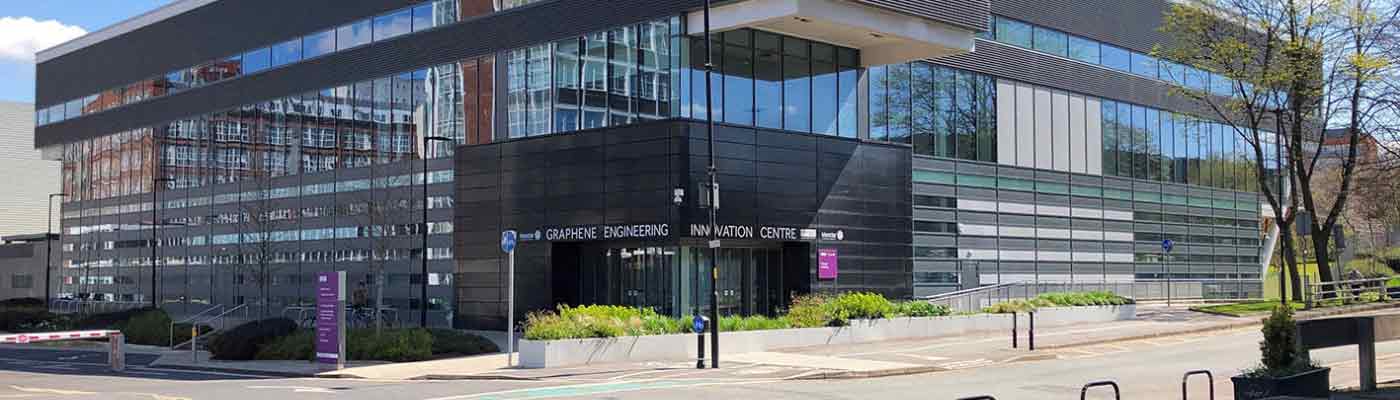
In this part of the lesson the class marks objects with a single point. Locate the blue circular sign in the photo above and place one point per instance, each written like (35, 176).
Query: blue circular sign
(699, 324)
(1168, 244)
(508, 239)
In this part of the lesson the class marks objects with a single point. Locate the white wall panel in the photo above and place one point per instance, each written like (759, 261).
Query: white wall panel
(1006, 122)
(1077, 153)
(1044, 143)
(1059, 107)
(1025, 126)
(1093, 135)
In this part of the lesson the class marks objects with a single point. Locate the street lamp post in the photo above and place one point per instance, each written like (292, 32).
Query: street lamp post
(423, 291)
(155, 242)
(48, 250)
(713, 192)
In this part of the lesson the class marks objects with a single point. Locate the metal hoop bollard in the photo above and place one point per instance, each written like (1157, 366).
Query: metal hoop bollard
(978, 398)
(1084, 392)
(1210, 381)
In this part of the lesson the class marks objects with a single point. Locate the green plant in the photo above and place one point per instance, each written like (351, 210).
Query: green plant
(859, 305)
(31, 320)
(1068, 299)
(451, 342)
(397, 345)
(244, 341)
(1278, 352)
(808, 311)
(299, 345)
(599, 321)
(735, 323)
(112, 319)
(151, 327)
(919, 308)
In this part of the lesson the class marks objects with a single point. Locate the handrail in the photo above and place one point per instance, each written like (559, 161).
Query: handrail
(189, 320)
(963, 292)
(1210, 380)
(211, 321)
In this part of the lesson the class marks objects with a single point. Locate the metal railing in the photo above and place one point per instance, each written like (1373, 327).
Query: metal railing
(974, 299)
(1210, 380)
(80, 306)
(1347, 291)
(216, 322)
(193, 320)
(305, 316)
(1084, 392)
(1117, 394)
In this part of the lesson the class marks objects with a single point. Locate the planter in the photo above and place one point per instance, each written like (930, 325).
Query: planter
(1315, 383)
(570, 352)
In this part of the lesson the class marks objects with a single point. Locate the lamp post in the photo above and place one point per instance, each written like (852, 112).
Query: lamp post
(155, 242)
(423, 291)
(48, 250)
(713, 193)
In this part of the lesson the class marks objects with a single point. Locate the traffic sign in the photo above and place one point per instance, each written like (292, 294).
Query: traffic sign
(1167, 245)
(508, 239)
(699, 322)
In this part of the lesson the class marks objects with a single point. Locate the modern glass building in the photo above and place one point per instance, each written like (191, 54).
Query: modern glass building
(906, 147)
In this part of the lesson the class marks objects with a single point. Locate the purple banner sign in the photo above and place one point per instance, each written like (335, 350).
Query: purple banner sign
(826, 263)
(330, 307)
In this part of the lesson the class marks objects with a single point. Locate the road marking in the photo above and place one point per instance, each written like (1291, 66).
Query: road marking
(925, 358)
(51, 391)
(296, 389)
(592, 389)
(966, 364)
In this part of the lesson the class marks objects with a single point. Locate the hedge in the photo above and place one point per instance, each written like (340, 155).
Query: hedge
(397, 345)
(244, 341)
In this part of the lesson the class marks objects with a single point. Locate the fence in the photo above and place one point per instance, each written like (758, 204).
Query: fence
(1345, 291)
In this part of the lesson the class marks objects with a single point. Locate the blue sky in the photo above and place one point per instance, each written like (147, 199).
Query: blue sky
(26, 25)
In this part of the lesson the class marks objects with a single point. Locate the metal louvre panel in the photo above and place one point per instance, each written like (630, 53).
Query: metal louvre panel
(1125, 23)
(201, 35)
(970, 14)
(537, 24)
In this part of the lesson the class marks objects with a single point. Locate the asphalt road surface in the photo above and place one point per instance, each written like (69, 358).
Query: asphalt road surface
(1148, 369)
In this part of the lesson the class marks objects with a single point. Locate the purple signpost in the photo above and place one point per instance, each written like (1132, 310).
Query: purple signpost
(330, 318)
(826, 264)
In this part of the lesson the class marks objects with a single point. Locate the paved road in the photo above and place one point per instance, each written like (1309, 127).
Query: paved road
(1148, 369)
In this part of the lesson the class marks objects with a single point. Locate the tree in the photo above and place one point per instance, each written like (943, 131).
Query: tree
(1294, 68)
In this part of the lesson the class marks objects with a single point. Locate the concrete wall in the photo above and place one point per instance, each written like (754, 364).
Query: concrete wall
(28, 179)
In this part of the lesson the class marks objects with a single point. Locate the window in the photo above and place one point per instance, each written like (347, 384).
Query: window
(1083, 49)
(21, 281)
(257, 60)
(1013, 32)
(1116, 58)
(824, 89)
(352, 35)
(797, 85)
(737, 67)
(1144, 65)
(286, 53)
(1051, 41)
(848, 62)
(768, 80)
(318, 44)
(393, 25)
(423, 17)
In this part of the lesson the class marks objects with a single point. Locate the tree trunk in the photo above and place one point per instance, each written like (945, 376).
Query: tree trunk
(1290, 264)
(378, 300)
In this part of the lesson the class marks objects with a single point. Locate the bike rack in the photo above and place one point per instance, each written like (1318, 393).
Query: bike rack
(1210, 380)
(978, 398)
(1084, 392)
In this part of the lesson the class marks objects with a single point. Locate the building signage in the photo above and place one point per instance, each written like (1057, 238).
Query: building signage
(607, 232)
(584, 233)
(330, 318)
(827, 264)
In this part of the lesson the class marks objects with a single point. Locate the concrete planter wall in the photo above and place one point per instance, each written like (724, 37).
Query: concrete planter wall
(571, 352)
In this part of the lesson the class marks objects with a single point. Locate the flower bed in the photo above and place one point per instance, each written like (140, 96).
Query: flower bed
(598, 334)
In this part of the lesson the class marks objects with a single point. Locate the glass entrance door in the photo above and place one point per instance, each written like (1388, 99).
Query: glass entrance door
(673, 280)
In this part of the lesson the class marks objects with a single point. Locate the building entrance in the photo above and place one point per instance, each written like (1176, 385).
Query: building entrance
(673, 280)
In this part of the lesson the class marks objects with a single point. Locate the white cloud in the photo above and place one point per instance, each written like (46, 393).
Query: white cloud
(21, 37)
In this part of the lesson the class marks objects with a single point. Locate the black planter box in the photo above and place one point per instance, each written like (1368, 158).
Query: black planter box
(1315, 383)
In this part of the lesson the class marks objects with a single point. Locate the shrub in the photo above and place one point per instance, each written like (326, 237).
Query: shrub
(151, 327)
(31, 320)
(1278, 352)
(451, 342)
(299, 345)
(398, 345)
(808, 311)
(859, 305)
(112, 319)
(920, 308)
(735, 323)
(1074, 299)
(244, 341)
(599, 321)
(23, 302)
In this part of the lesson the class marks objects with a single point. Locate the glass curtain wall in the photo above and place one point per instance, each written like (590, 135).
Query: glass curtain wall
(942, 111)
(1149, 144)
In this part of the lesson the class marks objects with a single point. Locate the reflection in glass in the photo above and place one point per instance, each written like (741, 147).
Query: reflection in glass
(848, 79)
(318, 44)
(1116, 58)
(393, 25)
(768, 80)
(286, 53)
(898, 98)
(622, 75)
(257, 60)
(824, 89)
(354, 34)
(595, 80)
(797, 85)
(738, 71)
(1083, 49)
(1051, 41)
(1013, 32)
(568, 96)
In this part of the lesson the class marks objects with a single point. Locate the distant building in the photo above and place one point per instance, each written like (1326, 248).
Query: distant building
(22, 265)
(1335, 146)
(28, 179)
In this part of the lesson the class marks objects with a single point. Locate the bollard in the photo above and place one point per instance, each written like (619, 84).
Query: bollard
(194, 344)
(1030, 332)
(1014, 339)
(1210, 380)
(116, 353)
(1084, 392)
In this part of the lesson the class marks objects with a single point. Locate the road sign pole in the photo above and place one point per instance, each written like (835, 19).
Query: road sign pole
(1167, 245)
(510, 311)
(508, 242)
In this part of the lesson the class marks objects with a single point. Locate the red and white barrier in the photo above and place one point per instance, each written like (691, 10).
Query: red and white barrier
(116, 355)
